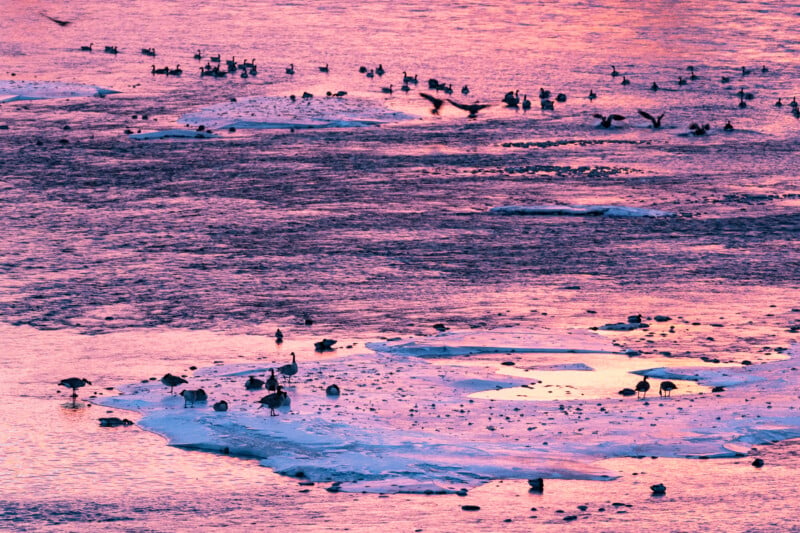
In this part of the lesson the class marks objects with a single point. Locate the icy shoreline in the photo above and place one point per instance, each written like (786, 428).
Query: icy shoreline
(407, 424)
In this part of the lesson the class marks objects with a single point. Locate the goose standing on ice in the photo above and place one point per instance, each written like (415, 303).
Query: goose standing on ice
(274, 400)
(272, 381)
(666, 388)
(290, 369)
(74, 384)
(642, 387)
(172, 381)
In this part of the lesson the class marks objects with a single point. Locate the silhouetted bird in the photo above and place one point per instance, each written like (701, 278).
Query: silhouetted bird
(272, 381)
(74, 384)
(193, 396)
(221, 405)
(113, 421)
(290, 70)
(324, 69)
(278, 336)
(172, 381)
(437, 102)
(696, 129)
(332, 390)
(273, 401)
(87, 48)
(625, 81)
(666, 388)
(614, 72)
(655, 120)
(290, 369)
(728, 126)
(253, 383)
(471, 108)
(606, 122)
(642, 387)
(59, 22)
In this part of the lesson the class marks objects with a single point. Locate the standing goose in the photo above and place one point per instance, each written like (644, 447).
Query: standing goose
(273, 401)
(172, 381)
(272, 381)
(666, 388)
(290, 369)
(74, 384)
(642, 387)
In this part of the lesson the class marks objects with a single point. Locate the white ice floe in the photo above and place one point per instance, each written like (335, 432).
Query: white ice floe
(275, 112)
(405, 423)
(172, 134)
(14, 90)
(579, 210)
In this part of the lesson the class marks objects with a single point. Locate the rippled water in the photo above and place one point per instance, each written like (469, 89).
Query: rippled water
(124, 259)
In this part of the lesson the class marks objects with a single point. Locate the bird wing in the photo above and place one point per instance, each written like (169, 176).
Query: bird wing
(598, 115)
(437, 102)
(647, 115)
(59, 22)
(616, 117)
(460, 106)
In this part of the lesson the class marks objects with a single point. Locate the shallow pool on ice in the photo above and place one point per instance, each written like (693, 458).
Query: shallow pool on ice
(579, 210)
(405, 423)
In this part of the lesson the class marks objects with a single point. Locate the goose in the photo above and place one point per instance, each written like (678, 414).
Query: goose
(175, 71)
(155, 70)
(290, 369)
(221, 406)
(370, 74)
(172, 381)
(74, 384)
(272, 381)
(543, 93)
(793, 103)
(437, 102)
(614, 72)
(654, 87)
(387, 90)
(511, 98)
(379, 71)
(405, 88)
(362, 69)
(666, 388)
(332, 390)
(324, 69)
(253, 383)
(113, 422)
(111, 49)
(526, 104)
(725, 79)
(742, 103)
(779, 103)
(547, 105)
(625, 81)
(465, 90)
(273, 401)
(681, 81)
(592, 95)
(471, 108)
(193, 396)
(764, 69)
(561, 97)
(278, 336)
(87, 48)
(214, 59)
(198, 55)
(698, 130)
(746, 71)
(149, 52)
(727, 127)
(606, 122)
(655, 120)
(642, 387)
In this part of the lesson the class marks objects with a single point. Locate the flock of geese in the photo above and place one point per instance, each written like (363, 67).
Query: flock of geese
(215, 67)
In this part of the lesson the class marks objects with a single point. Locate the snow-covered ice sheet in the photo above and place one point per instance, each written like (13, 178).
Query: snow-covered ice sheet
(579, 210)
(14, 90)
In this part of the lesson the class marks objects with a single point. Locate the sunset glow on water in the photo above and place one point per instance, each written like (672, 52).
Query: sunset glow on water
(483, 277)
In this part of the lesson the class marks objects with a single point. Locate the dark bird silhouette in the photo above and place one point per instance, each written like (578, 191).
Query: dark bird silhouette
(471, 108)
(290, 369)
(324, 345)
(172, 381)
(526, 104)
(290, 70)
(437, 102)
(59, 22)
(253, 383)
(606, 122)
(543, 93)
(278, 336)
(272, 381)
(728, 126)
(666, 388)
(193, 396)
(642, 387)
(547, 105)
(324, 69)
(113, 422)
(654, 87)
(561, 97)
(220, 406)
(614, 72)
(465, 90)
(592, 95)
(511, 99)
(779, 103)
(696, 129)
(655, 120)
(87, 48)
(625, 81)
(74, 384)
(332, 390)
(274, 400)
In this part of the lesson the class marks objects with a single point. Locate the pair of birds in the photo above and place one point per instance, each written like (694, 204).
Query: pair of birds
(664, 389)
(607, 121)
(437, 103)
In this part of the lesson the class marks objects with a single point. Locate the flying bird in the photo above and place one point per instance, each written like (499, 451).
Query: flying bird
(655, 120)
(437, 102)
(472, 108)
(59, 22)
(607, 121)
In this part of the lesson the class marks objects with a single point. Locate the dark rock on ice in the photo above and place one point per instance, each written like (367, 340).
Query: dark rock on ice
(627, 392)
(658, 489)
(758, 463)
(324, 345)
(537, 484)
(471, 507)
